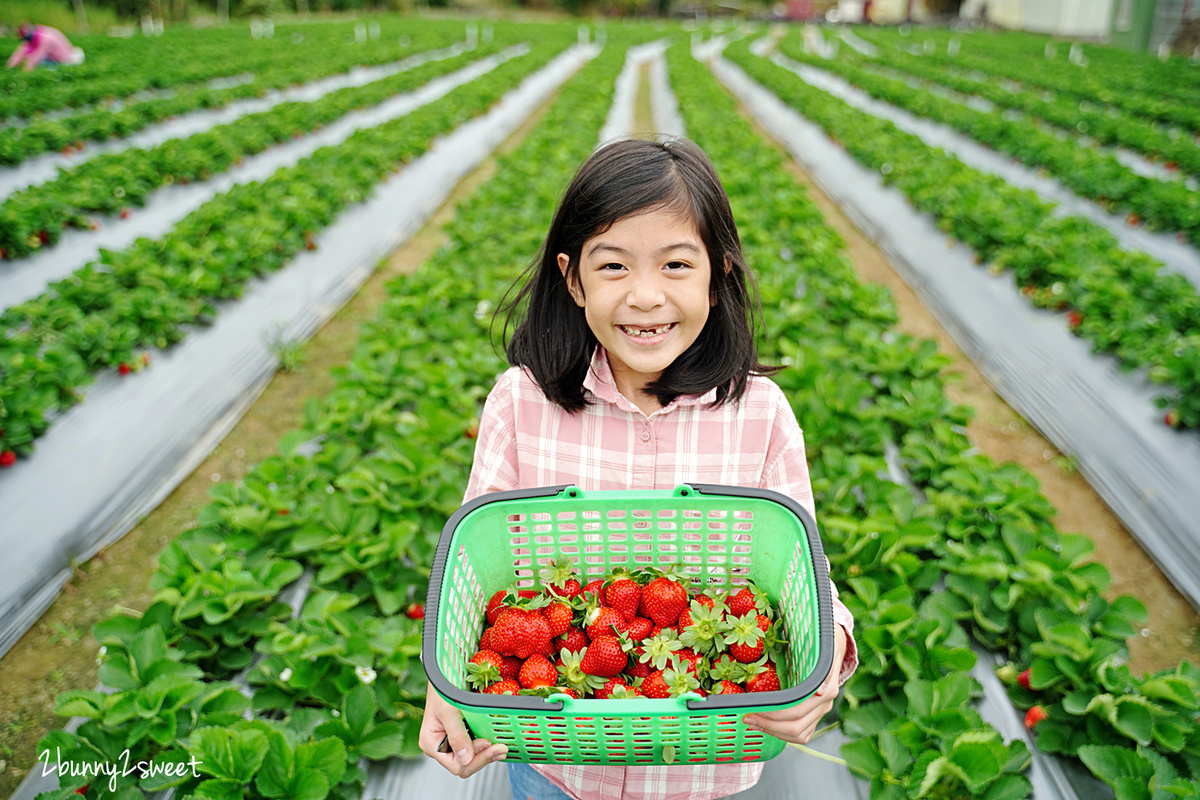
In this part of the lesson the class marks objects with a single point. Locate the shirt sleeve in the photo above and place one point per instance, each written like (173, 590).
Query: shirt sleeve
(494, 467)
(787, 472)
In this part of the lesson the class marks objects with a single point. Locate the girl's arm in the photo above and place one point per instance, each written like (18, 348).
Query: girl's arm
(22, 50)
(38, 52)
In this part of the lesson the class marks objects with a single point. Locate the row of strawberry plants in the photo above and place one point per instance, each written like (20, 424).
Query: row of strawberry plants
(1093, 174)
(67, 134)
(1110, 67)
(844, 366)
(1107, 126)
(119, 68)
(147, 295)
(37, 216)
(1122, 301)
(358, 498)
(1020, 586)
(1063, 78)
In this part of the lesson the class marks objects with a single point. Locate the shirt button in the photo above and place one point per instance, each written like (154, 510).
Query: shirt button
(645, 436)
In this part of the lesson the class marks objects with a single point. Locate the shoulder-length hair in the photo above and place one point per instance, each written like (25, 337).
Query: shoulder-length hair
(550, 334)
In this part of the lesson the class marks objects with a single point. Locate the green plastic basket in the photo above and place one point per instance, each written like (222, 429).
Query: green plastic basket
(723, 535)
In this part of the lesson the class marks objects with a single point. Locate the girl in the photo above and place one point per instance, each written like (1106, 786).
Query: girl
(634, 366)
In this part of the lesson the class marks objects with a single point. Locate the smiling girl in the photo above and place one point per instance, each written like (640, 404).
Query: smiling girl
(634, 366)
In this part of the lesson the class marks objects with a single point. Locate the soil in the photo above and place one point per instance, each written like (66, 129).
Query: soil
(58, 653)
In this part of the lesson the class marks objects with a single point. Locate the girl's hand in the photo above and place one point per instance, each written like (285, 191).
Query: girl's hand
(798, 723)
(442, 721)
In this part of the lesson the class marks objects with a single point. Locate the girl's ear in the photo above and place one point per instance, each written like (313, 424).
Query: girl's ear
(564, 261)
(712, 299)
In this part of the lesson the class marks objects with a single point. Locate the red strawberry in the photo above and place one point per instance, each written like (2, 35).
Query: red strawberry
(727, 687)
(573, 640)
(1023, 679)
(604, 657)
(764, 622)
(559, 616)
(704, 600)
(503, 687)
(655, 686)
(125, 213)
(7, 458)
(415, 611)
(1074, 318)
(639, 628)
(624, 595)
(602, 620)
(1134, 220)
(657, 629)
(1034, 715)
(521, 632)
(765, 681)
(689, 659)
(537, 671)
(745, 640)
(124, 368)
(504, 598)
(485, 640)
(1171, 418)
(485, 668)
(511, 668)
(665, 600)
(606, 691)
(559, 579)
(744, 601)
(596, 589)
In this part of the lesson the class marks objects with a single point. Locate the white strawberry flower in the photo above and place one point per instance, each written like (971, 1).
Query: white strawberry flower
(365, 674)
(286, 675)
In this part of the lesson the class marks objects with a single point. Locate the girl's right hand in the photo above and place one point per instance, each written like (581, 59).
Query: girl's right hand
(443, 721)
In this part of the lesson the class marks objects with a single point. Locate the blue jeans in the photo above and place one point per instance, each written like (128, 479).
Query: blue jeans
(527, 782)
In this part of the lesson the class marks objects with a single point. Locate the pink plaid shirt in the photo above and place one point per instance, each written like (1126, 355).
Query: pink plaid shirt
(525, 441)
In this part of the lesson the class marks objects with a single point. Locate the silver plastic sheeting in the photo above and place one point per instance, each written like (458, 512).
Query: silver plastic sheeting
(45, 167)
(26, 278)
(1082, 402)
(117, 455)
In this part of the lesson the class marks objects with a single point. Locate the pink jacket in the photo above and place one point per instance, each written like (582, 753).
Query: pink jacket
(48, 44)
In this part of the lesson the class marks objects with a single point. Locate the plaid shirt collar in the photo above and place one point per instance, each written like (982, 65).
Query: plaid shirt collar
(599, 382)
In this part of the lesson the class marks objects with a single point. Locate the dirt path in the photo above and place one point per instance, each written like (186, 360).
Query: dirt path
(59, 653)
(1170, 633)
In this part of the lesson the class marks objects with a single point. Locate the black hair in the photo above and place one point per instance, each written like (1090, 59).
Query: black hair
(551, 337)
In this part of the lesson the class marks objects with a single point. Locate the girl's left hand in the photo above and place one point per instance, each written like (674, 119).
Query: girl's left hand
(798, 723)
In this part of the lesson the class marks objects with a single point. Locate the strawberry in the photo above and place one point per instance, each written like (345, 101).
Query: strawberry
(559, 579)
(747, 599)
(689, 659)
(639, 628)
(638, 669)
(704, 600)
(484, 669)
(1074, 319)
(621, 692)
(624, 594)
(511, 668)
(594, 588)
(602, 620)
(124, 368)
(415, 611)
(559, 615)
(520, 632)
(7, 458)
(1134, 220)
(1033, 716)
(604, 657)
(503, 598)
(705, 629)
(125, 212)
(485, 640)
(744, 639)
(655, 686)
(727, 687)
(503, 687)
(574, 640)
(1023, 679)
(665, 600)
(766, 680)
(570, 672)
(1171, 418)
(660, 651)
(537, 671)
(606, 691)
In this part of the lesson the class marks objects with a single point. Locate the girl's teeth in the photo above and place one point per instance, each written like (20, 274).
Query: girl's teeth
(645, 332)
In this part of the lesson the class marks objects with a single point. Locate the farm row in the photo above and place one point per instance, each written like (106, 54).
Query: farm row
(341, 524)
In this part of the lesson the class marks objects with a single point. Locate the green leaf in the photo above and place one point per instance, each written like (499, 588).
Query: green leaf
(1009, 787)
(382, 741)
(1134, 719)
(327, 756)
(864, 758)
(1110, 763)
(977, 762)
(358, 709)
(929, 773)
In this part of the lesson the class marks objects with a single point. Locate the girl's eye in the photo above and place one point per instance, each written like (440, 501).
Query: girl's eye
(675, 266)
(612, 266)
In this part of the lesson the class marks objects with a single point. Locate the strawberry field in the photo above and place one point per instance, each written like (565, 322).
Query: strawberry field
(280, 649)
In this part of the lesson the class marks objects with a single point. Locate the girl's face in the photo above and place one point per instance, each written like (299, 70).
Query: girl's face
(643, 285)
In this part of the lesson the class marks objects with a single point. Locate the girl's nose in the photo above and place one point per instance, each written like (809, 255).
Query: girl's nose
(645, 292)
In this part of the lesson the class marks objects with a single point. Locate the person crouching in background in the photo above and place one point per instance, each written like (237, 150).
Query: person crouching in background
(41, 44)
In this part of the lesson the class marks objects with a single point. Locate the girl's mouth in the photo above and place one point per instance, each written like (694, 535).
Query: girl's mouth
(646, 333)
